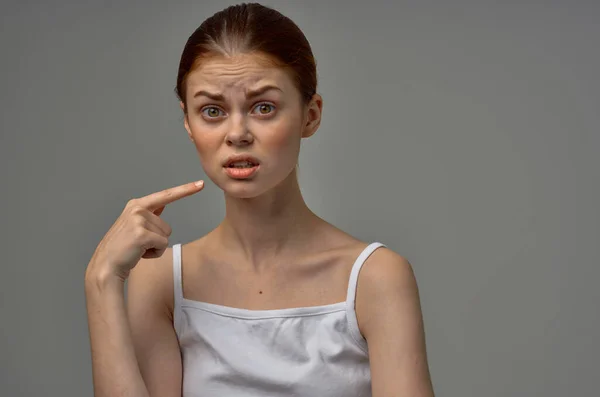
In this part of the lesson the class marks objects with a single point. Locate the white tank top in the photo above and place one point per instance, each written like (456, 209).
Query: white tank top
(313, 351)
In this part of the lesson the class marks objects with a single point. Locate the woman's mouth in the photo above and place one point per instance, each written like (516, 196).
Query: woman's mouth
(241, 171)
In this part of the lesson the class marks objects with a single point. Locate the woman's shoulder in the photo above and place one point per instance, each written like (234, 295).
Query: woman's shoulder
(344, 243)
(386, 276)
(384, 269)
(156, 276)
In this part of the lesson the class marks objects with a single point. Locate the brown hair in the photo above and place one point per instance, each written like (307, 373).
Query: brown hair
(251, 28)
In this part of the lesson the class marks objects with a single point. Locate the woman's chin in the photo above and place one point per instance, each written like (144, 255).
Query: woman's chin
(244, 192)
(239, 188)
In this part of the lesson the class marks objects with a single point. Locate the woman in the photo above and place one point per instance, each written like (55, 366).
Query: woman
(271, 302)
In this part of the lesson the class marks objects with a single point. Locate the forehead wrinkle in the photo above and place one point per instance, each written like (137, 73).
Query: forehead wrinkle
(234, 66)
(226, 72)
(239, 74)
(242, 84)
(233, 76)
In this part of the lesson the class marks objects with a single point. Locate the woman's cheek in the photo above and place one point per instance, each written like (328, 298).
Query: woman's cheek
(206, 155)
(282, 134)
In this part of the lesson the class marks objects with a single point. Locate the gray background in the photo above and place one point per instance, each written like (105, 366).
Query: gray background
(462, 134)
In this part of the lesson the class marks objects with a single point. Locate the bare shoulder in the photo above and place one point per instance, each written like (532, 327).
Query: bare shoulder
(389, 317)
(386, 276)
(385, 268)
(152, 280)
(150, 315)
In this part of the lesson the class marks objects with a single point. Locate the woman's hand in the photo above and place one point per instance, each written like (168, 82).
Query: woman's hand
(138, 232)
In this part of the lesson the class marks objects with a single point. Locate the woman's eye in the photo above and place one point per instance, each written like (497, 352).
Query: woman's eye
(264, 108)
(211, 112)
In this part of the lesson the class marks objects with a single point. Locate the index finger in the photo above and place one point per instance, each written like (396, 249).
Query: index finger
(157, 200)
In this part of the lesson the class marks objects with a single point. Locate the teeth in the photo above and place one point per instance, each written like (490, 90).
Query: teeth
(241, 164)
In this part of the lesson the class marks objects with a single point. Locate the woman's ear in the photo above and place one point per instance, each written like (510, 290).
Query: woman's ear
(314, 110)
(186, 122)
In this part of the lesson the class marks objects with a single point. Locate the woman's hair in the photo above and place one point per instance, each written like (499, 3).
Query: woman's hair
(251, 29)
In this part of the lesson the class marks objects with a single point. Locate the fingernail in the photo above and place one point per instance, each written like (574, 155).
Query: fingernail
(199, 183)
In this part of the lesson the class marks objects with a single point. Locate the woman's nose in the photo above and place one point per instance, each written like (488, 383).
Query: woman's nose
(239, 133)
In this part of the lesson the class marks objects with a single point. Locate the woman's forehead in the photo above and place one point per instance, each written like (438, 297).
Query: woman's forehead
(245, 72)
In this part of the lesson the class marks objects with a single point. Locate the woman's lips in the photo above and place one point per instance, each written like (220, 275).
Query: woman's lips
(240, 157)
(241, 173)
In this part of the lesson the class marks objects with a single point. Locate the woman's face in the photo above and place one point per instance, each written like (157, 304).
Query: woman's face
(242, 105)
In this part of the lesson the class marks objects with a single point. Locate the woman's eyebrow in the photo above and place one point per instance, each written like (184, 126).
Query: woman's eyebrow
(261, 90)
(214, 97)
(249, 93)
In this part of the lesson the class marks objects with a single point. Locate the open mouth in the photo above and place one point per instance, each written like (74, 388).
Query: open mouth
(241, 171)
(242, 164)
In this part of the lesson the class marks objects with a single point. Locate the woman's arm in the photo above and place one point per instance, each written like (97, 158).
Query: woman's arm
(135, 352)
(390, 318)
(114, 366)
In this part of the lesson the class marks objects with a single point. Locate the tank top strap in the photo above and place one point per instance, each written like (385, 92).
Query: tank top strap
(351, 296)
(177, 288)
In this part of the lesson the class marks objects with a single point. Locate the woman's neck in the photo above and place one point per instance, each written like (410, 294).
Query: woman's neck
(263, 230)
